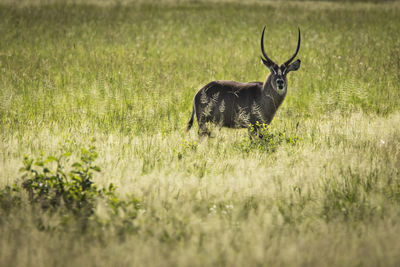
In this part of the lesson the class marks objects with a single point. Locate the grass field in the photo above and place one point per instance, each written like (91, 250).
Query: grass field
(122, 76)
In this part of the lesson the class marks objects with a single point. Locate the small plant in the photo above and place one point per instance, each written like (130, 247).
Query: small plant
(54, 187)
(49, 185)
(264, 139)
(187, 146)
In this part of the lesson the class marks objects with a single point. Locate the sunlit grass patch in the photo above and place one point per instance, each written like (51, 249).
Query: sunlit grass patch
(320, 186)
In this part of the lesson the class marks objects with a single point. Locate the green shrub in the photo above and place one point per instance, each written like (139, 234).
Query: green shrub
(48, 185)
(265, 139)
(53, 188)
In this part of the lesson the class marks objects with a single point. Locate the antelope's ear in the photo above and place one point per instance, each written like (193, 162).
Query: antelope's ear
(294, 66)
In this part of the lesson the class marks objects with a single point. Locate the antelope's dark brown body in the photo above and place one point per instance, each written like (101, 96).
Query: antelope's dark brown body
(237, 105)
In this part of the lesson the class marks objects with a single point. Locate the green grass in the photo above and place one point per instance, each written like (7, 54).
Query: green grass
(326, 194)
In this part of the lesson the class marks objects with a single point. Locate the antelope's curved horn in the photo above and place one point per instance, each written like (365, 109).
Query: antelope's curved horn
(262, 49)
(295, 53)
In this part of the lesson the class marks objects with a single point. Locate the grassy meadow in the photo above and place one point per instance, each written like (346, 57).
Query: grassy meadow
(121, 76)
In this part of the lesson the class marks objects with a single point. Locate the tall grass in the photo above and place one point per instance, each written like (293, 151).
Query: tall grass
(125, 75)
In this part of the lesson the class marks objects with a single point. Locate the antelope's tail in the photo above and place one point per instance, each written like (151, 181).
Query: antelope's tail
(190, 123)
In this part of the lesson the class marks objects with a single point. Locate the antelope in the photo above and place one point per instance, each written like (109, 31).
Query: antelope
(237, 105)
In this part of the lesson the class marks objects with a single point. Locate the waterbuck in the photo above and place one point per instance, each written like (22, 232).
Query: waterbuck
(237, 105)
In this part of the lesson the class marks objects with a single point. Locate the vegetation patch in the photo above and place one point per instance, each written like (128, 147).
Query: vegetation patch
(320, 186)
(49, 187)
(264, 138)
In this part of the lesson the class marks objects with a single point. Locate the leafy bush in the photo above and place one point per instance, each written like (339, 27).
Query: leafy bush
(263, 138)
(47, 184)
(54, 188)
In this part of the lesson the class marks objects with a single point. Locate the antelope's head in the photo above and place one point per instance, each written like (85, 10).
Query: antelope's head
(278, 73)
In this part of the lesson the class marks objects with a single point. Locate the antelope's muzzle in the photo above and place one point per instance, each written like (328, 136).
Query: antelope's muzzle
(280, 84)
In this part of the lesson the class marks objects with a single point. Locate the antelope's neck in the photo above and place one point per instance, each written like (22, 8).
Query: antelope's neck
(272, 98)
(268, 90)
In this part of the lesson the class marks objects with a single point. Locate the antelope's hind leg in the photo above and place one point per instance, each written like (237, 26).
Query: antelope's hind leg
(203, 129)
